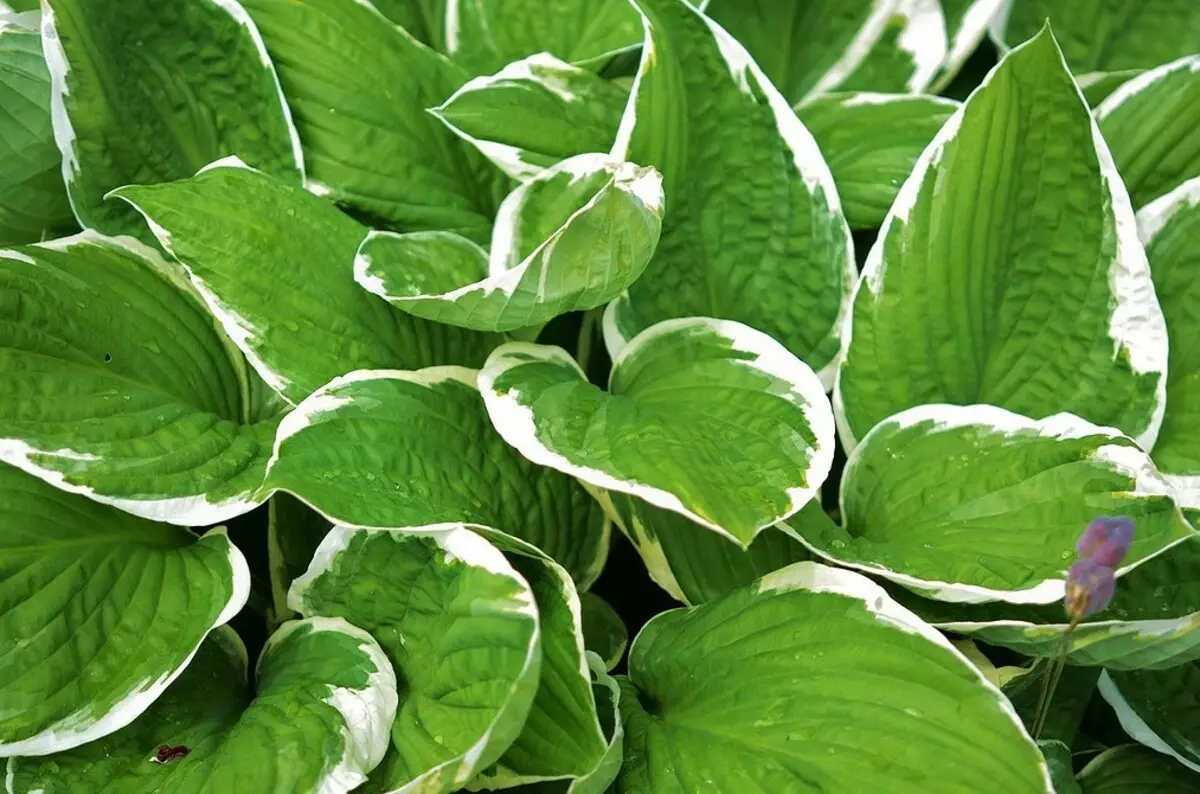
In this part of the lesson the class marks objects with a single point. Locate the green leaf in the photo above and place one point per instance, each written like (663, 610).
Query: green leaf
(871, 142)
(813, 679)
(1157, 708)
(1058, 759)
(1013, 496)
(359, 87)
(1149, 122)
(145, 92)
(115, 383)
(1114, 35)
(1152, 622)
(595, 223)
(100, 611)
(33, 199)
(604, 632)
(483, 35)
(1134, 769)
(425, 20)
(1097, 86)
(966, 23)
(294, 531)
(734, 157)
(1009, 271)
(326, 695)
(1169, 227)
(809, 48)
(297, 314)
(404, 449)
(535, 112)
(461, 628)
(707, 418)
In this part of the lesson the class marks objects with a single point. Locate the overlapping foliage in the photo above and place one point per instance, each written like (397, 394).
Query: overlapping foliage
(444, 299)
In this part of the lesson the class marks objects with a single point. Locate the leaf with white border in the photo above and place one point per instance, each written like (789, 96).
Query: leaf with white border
(403, 449)
(294, 530)
(592, 224)
(117, 384)
(1134, 769)
(1009, 271)
(535, 112)
(146, 91)
(101, 611)
(967, 23)
(871, 142)
(1157, 708)
(319, 722)
(707, 418)
(734, 158)
(1098, 86)
(976, 503)
(814, 679)
(604, 631)
(296, 313)
(461, 628)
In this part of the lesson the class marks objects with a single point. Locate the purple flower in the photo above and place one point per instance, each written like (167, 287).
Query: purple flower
(1106, 540)
(1090, 586)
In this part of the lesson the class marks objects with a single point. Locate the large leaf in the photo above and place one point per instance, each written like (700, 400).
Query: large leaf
(595, 223)
(1169, 227)
(1149, 123)
(297, 313)
(33, 199)
(753, 230)
(359, 87)
(1134, 769)
(1009, 270)
(1158, 708)
(461, 628)
(115, 383)
(404, 449)
(813, 679)
(484, 35)
(149, 91)
(319, 721)
(1113, 35)
(100, 611)
(975, 503)
(707, 418)
(808, 48)
(1151, 624)
(535, 112)
(871, 142)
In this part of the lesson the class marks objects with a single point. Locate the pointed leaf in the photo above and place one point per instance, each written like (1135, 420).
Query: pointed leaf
(613, 216)
(813, 679)
(404, 449)
(1134, 769)
(707, 418)
(297, 314)
(359, 87)
(101, 611)
(733, 157)
(146, 91)
(1009, 271)
(1013, 495)
(871, 142)
(117, 384)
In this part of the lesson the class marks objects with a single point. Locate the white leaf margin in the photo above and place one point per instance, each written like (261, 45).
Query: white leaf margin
(1146, 81)
(1134, 725)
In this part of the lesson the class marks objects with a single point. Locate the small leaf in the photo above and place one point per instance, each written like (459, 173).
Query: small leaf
(707, 418)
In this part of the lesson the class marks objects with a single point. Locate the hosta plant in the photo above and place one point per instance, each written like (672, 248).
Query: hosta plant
(632, 396)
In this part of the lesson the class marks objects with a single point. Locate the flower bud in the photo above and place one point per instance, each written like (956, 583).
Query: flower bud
(1106, 540)
(1090, 588)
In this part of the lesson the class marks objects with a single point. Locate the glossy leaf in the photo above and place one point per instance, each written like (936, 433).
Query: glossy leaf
(1009, 271)
(318, 722)
(148, 91)
(871, 142)
(359, 87)
(975, 503)
(117, 384)
(706, 418)
(101, 611)
(405, 449)
(1134, 769)
(734, 157)
(595, 225)
(812, 678)
(33, 199)
(1155, 707)
(297, 314)
(535, 112)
